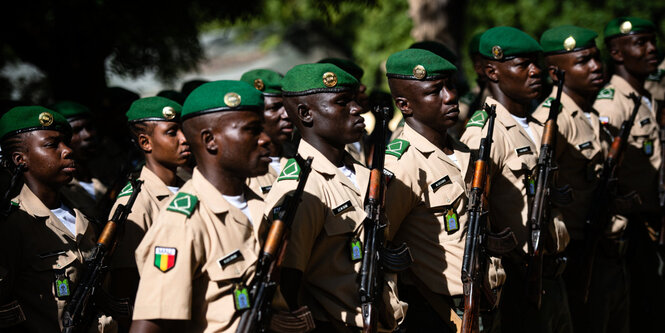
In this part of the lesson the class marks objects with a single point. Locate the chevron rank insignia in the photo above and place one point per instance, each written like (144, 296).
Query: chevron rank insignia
(127, 190)
(183, 203)
(291, 170)
(397, 147)
(478, 119)
(548, 102)
(607, 93)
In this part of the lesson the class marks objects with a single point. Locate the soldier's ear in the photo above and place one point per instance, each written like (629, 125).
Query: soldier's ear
(144, 142)
(490, 70)
(19, 158)
(304, 113)
(208, 140)
(404, 106)
(551, 70)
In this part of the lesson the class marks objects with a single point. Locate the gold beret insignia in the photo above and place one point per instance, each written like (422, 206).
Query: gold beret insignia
(329, 79)
(497, 52)
(232, 99)
(45, 119)
(419, 72)
(258, 84)
(626, 27)
(569, 43)
(168, 112)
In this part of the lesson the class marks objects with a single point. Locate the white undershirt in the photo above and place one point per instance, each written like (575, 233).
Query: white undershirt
(66, 216)
(647, 101)
(173, 189)
(522, 121)
(357, 145)
(88, 187)
(453, 158)
(349, 174)
(239, 202)
(275, 164)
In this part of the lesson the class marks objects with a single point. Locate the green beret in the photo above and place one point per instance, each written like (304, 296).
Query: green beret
(225, 95)
(22, 119)
(474, 44)
(346, 65)
(437, 48)
(266, 81)
(417, 64)
(154, 108)
(71, 110)
(317, 78)
(623, 26)
(567, 38)
(503, 43)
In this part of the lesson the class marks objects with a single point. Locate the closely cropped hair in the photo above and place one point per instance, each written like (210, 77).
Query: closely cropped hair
(140, 127)
(9, 146)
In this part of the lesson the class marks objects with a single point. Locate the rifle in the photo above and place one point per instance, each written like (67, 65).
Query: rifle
(77, 315)
(599, 215)
(264, 284)
(376, 257)
(539, 212)
(473, 262)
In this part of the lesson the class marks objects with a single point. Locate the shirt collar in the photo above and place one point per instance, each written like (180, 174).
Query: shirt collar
(154, 184)
(212, 198)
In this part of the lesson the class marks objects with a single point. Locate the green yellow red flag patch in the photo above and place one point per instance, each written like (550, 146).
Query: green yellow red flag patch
(165, 258)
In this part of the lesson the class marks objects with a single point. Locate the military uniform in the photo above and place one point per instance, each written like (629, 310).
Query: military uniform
(655, 84)
(329, 216)
(262, 184)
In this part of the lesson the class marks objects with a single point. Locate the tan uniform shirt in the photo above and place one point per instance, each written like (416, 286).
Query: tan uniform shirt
(82, 200)
(153, 196)
(191, 260)
(262, 184)
(638, 171)
(655, 83)
(39, 247)
(580, 151)
(465, 111)
(514, 157)
(426, 185)
(329, 215)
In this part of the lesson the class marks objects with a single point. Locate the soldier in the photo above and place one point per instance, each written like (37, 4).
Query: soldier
(632, 46)
(154, 124)
(655, 84)
(196, 261)
(86, 191)
(513, 81)
(277, 124)
(318, 270)
(427, 198)
(581, 146)
(45, 239)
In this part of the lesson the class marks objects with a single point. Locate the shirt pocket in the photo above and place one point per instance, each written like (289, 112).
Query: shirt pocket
(585, 148)
(343, 219)
(52, 263)
(440, 201)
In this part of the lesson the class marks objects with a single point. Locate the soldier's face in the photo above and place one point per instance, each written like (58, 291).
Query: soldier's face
(584, 70)
(519, 78)
(277, 125)
(48, 158)
(434, 103)
(243, 144)
(336, 117)
(84, 141)
(638, 53)
(168, 143)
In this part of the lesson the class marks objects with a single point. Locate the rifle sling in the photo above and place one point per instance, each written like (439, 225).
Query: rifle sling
(442, 308)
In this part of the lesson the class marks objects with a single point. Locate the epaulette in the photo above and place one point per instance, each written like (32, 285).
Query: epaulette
(127, 190)
(657, 76)
(548, 102)
(478, 119)
(291, 170)
(397, 147)
(13, 203)
(183, 203)
(607, 93)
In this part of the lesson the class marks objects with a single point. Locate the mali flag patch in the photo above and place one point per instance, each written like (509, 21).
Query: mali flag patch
(165, 258)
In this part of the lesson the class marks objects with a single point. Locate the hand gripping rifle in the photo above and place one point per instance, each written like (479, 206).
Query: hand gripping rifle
(474, 260)
(78, 312)
(539, 212)
(264, 284)
(599, 216)
(376, 257)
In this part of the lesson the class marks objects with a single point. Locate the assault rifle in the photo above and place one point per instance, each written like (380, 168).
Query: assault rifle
(539, 212)
(474, 260)
(78, 312)
(599, 216)
(376, 257)
(263, 286)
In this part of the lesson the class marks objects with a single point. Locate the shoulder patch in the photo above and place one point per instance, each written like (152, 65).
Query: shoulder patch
(291, 170)
(14, 203)
(183, 203)
(657, 76)
(607, 93)
(548, 102)
(397, 147)
(127, 190)
(478, 119)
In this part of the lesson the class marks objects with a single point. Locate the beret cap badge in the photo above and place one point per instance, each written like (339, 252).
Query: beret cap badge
(168, 112)
(329, 79)
(626, 27)
(45, 119)
(569, 43)
(232, 99)
(419, 72)
(497, 52)
(259, 85)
